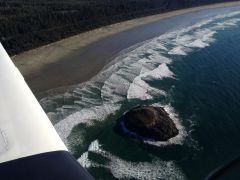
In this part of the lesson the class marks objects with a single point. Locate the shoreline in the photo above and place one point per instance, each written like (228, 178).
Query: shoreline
(74, 60)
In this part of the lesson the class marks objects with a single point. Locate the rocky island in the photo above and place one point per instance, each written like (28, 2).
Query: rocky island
(147, 123)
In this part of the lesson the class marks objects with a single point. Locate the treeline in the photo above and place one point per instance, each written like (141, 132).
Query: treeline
(26, 24)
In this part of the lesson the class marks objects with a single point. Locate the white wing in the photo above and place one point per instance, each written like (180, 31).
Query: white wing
(24, 127)
(30, 148)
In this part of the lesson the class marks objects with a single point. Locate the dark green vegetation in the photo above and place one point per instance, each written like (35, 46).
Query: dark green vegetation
(26, 24)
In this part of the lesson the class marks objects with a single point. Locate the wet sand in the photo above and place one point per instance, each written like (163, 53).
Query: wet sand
(78, 58)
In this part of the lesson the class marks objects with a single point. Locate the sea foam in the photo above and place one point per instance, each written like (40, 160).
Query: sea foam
(127, 76)
(122, 169)
(86, 116)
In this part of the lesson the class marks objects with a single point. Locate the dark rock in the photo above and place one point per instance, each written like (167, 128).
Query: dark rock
(149, 122)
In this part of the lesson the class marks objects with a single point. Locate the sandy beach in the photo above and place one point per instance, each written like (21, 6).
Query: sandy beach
(78, 58)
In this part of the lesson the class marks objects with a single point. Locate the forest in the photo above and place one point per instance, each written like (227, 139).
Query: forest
(27, 24)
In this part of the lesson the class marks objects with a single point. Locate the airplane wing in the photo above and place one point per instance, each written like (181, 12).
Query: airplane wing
(30, 148)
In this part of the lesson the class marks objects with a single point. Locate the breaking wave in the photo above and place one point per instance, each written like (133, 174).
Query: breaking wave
(121, 169)
(128, 75)
(127, 79)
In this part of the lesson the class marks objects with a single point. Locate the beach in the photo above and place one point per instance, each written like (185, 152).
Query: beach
(187, 64)
(78, 58)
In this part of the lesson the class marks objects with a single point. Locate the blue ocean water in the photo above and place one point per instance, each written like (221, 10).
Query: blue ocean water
(193, 72)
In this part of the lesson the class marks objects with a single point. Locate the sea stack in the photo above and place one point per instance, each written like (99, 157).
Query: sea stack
(148, 123)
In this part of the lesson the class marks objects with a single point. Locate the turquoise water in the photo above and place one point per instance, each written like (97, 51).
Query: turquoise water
(193, 72)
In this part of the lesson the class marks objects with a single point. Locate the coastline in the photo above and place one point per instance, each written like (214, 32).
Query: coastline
(44, 67)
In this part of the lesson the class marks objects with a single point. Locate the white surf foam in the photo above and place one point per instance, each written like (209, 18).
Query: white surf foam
(227, 24)
(122, 169)
(84, 161)
(125, 77)
(154, 170)
(84, 116)
(179, 50)
(227, 15)
(162, 71)
(114, 89)
(198, 43)
(139, 89)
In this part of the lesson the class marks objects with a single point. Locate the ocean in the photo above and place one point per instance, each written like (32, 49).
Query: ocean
(192, 70)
